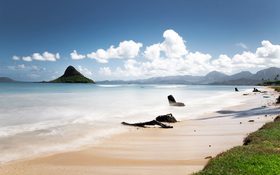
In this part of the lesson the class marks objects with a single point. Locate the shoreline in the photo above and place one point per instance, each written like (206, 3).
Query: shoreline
(181, 150)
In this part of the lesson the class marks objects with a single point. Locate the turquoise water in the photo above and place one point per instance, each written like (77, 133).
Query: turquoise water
(38, 118)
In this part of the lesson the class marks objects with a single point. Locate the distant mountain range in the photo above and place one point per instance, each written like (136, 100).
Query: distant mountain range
(6, 80)
(71, 75)
(212, 78)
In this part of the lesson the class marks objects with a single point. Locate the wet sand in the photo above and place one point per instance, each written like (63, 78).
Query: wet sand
(147, 151)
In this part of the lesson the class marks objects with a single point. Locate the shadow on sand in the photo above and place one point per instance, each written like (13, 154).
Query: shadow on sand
(245, 113)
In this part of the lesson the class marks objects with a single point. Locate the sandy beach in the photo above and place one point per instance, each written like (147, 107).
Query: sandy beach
(146, 151)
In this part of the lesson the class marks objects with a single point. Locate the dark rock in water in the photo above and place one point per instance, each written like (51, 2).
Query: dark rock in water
(278, 100)
(251, 120)
(169, 118)
(71, 75)
(149, 123)
(245, 94)
(277, 119)
(236, 90)
(172, 101)
(256, 90)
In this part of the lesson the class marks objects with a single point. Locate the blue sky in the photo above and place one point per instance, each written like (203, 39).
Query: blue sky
(188, 37)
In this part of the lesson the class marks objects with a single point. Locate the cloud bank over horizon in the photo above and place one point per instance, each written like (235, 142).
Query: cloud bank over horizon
(171, 56)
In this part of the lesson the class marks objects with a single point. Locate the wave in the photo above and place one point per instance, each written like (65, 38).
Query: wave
(168, 86)
(109, 85)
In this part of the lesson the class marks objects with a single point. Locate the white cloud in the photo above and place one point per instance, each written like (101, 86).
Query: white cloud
(242, 45)
(152, 52)
(75, 56)
(16, 58)
(85, 71)
(28, 58)
(105, 71)
(46, 56)
(173, 46)
(23, 67)
(268, 50)
(125, 50)
(17, 67)
(171, 57)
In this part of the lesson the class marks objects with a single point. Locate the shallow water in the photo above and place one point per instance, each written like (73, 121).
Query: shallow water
(37, 118)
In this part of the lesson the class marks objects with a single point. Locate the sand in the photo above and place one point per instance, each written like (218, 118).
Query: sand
(152, 151)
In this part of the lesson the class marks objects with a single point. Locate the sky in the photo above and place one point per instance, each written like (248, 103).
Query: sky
(132, 39)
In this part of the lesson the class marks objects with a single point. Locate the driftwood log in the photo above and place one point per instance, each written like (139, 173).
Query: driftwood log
(169, 118)
(149, 123)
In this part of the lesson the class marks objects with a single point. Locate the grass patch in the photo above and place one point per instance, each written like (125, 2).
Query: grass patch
(276, 88)
(259, 155)
(270, 83)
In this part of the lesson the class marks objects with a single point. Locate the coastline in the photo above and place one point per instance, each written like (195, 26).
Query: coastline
(181, 150)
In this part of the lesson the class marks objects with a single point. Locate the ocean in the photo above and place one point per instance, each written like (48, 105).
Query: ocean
(42, 118)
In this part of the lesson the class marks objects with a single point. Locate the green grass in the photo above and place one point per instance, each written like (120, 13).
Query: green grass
(259, 155)
(270, 83)
(276, 88)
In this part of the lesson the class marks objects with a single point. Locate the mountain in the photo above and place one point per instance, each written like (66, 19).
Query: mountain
(6, 80)
(71, 75)
(240, 75)
(267, 74)
(214, 78)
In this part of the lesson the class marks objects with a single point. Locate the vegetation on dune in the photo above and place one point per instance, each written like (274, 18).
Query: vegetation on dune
(270, 83)
(259, 155)
(276, 88)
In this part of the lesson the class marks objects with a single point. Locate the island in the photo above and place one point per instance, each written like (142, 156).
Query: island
(71, 75)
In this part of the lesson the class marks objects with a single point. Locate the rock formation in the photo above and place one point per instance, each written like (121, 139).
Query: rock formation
(169, 118)
(71, 75)
(172, 101)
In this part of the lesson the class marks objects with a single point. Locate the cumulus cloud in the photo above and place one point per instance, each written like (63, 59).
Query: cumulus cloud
(75, 56)
(125, 50)
(16, 58)
(85, 71)
(105, 71)
(28, 58)
(46, 56)
(171, 57)
(268, 50)
(173, 46)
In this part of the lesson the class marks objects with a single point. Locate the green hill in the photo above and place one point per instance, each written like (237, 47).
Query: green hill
(71, 75)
